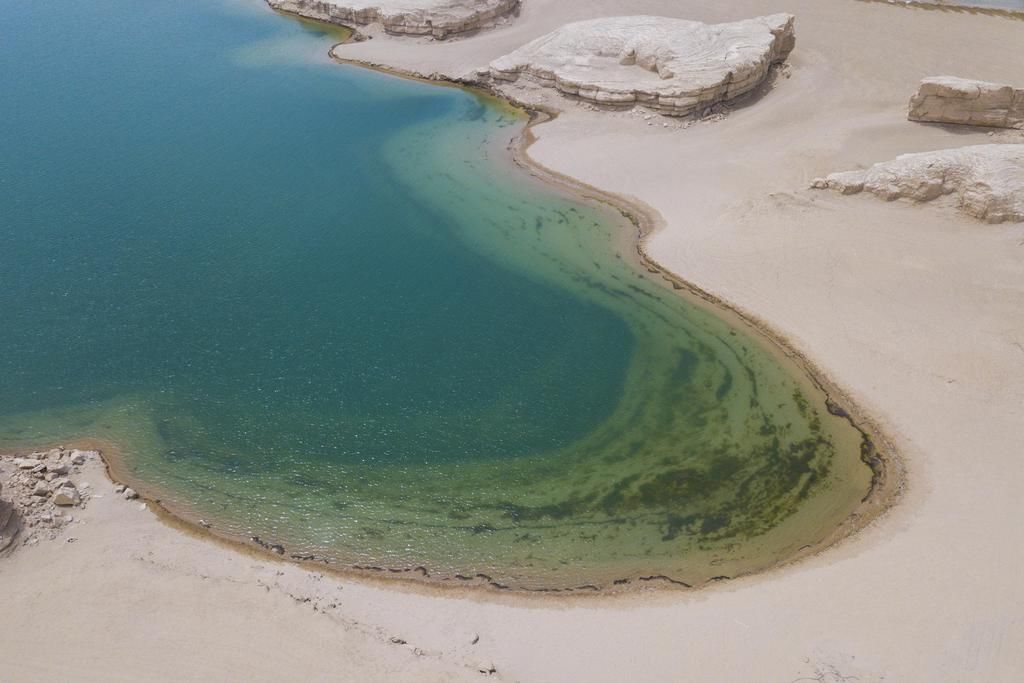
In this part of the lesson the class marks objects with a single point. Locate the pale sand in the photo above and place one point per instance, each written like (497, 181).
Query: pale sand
(917, 311)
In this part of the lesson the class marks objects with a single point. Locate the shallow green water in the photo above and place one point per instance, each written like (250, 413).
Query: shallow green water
(320, 306)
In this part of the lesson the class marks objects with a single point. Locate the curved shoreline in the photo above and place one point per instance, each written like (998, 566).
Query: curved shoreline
(647, 221)
(878, 451)
(887, 483)
(914, 310)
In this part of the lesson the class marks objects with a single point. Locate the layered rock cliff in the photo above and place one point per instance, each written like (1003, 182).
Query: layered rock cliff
(986, 180)
(437, 18)
(947, 99)
(672, 66)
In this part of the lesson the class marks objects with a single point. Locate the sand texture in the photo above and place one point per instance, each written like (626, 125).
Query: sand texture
(671, 66)
(914, 310)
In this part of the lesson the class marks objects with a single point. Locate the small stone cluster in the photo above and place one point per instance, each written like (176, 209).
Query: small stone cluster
(38, 493)
(41, 493)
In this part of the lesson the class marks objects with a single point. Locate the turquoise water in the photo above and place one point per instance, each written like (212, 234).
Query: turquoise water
(319, 305)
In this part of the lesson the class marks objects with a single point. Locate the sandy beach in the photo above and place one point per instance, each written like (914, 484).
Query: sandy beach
(915, 311)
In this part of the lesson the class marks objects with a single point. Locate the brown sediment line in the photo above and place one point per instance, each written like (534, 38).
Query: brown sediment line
(877, 450)
(953, 7)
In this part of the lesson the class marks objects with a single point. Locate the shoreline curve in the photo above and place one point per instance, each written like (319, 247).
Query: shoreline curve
(878, 450)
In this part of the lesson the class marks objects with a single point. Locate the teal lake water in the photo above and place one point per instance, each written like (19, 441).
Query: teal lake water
(320, 305)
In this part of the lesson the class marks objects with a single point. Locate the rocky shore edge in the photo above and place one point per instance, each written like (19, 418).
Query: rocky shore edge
(40, 493)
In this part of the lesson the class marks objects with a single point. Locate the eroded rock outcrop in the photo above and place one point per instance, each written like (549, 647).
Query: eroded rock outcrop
(986, 180)
(437, 18)
(947, 99)
(673, 66)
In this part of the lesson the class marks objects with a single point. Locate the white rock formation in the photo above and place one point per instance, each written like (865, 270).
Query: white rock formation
(673, 66)
(437, 18)
(987, 180)
(947, 99)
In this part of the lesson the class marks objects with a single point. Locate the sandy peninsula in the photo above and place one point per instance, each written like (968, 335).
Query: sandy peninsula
(915, 310)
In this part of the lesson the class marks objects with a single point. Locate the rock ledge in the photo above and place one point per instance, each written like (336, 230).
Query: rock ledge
(987, 180)
(436, 18)
(947, 99)
(673, 66)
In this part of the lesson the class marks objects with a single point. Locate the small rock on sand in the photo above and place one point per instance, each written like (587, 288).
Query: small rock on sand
(66, 496)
